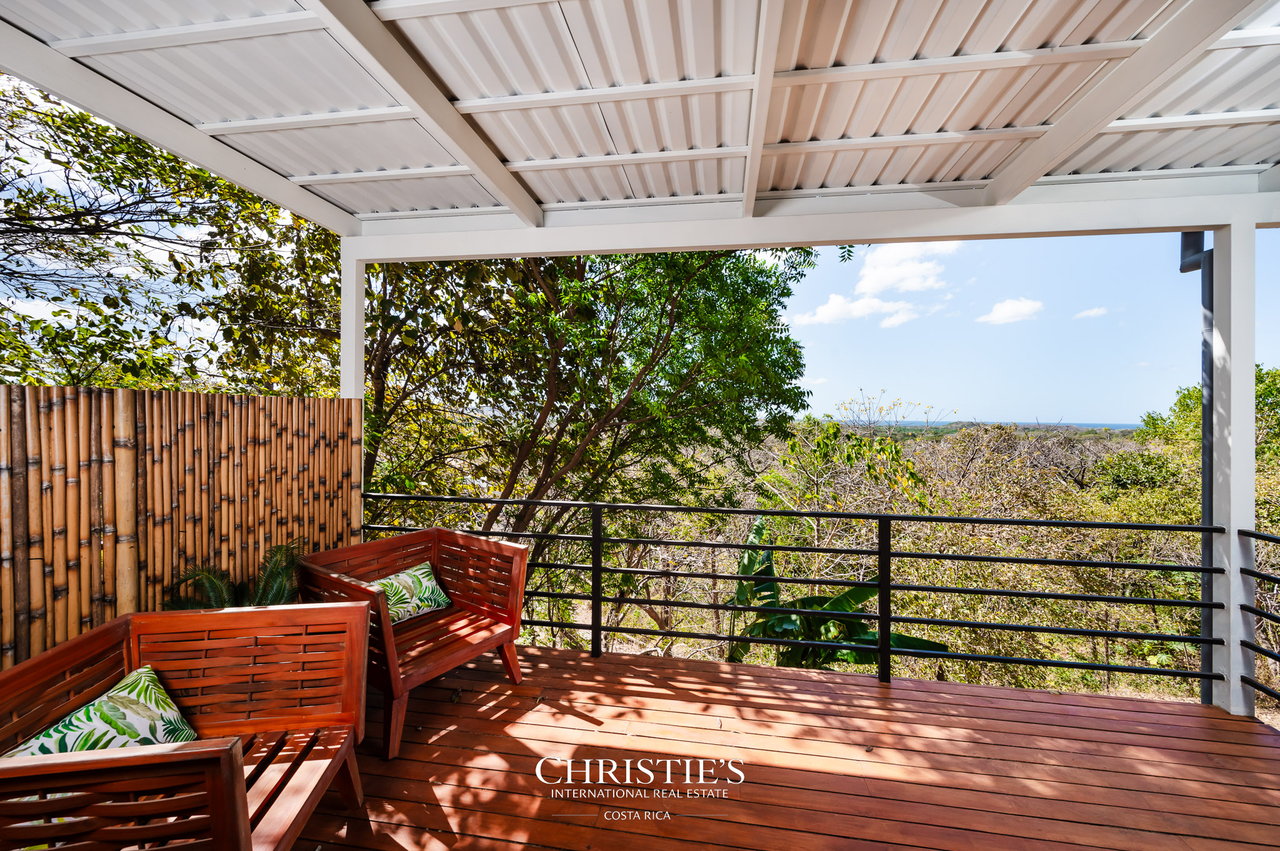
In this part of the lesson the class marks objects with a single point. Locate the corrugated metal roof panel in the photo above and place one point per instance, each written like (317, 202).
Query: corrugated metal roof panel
(1266, 17)
(407, 194)
(578, 44)
(344, 148)
(884, 166)
(1248, 144)
(59, 19)
(1223, 81)
(649, 180)
(248, 78)
(1018, 97)
(853, 32)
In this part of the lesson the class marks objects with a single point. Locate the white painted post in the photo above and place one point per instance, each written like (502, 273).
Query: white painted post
(1233, 457)
(351, 346)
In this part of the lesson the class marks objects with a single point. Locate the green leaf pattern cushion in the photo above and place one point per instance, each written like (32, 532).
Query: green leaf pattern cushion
(412, 592)
(136, 711)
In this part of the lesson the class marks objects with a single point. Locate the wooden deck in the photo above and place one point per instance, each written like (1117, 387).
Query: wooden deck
(829, 760)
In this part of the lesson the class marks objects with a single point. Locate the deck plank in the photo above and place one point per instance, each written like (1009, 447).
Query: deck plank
(831, 761)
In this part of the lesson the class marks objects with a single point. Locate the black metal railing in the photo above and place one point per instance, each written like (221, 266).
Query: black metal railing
(594, 541)
(1266, 621)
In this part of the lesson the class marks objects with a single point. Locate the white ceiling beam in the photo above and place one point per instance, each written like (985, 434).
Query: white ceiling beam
(42, 66)
(1092, 209)
(1256, 37)
(394, 10)
(188, 34)
(386, 174)
(367, 39)
(645, 158)
(906, 140)
(1119, 177)
(311, 119)
(768, 26)
(606, 94)
(1194, 122)
(956, 64)
(1179, 43)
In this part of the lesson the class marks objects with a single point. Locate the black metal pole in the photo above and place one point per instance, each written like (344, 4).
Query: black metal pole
(1195, 257)
(884, 607)
(597, 580)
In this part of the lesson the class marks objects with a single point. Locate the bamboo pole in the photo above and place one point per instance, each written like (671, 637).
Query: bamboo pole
(35, 523)
(90, 569)
(8, 607)
(77, 603)
(106, 516)
(21, 507)
(54, 489)
(124, 445)
(355, 501)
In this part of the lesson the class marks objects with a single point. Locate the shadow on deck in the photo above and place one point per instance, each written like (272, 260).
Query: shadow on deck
(829, 761)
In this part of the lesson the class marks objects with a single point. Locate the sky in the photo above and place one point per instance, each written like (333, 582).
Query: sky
(1085, 329)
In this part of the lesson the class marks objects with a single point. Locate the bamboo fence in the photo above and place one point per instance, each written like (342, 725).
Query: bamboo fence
(107, 495)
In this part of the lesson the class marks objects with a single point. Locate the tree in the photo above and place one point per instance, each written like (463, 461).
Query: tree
(99, 233)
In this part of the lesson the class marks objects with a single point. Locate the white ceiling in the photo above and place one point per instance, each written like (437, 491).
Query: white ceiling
(435, 109)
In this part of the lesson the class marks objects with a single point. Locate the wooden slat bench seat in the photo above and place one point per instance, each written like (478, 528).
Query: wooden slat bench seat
(276, 696)
(484, 580)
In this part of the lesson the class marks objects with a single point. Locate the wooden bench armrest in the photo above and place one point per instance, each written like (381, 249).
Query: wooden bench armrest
(324, 584)
(127, 796)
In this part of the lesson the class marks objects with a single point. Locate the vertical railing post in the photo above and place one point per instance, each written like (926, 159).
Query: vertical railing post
(597, 580)
(884, 608)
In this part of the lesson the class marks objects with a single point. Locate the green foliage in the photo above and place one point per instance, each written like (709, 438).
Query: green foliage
(1127, 471)
(207, 587)
(104, 244)
(835, 619)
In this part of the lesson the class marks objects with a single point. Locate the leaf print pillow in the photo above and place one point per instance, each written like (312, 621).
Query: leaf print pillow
(412, 592)
(136, 711)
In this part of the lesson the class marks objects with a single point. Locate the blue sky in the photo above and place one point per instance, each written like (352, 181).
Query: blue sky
(1063, 329)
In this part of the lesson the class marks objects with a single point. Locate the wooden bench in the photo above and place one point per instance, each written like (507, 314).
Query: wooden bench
(484, 580)
(276, 695)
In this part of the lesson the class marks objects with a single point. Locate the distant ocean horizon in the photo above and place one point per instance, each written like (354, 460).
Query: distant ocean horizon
(1034, 424)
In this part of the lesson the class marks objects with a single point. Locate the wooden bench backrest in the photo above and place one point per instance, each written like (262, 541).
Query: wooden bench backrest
(39, 691)
(240, 671)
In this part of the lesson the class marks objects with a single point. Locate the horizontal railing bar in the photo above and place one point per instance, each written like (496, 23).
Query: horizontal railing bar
(1055, 663)
(745, 639)
(1059, 562)
(557, 565)
(776, 512)
(1260, 536)
(1254, 610)
(731, 607)
(1054, 595)
(1257, 648)
(737, 577)
(1257, 686)
(1060, 630)
(897, 651)
(718, 545)
(486, 533)
(1258, 574)
(556, 595)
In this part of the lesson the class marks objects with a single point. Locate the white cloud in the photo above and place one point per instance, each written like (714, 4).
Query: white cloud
(904, 267)
(1091, 313)
(839, 308)
(813, 382)
(1012, 310)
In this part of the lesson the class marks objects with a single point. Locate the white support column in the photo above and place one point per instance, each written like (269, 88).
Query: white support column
(1233, 457)
(351, 351)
